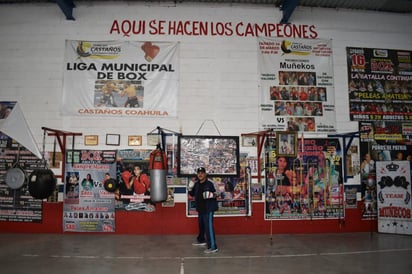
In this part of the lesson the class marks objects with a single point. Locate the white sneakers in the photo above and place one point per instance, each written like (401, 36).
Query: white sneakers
(208, 251)
(199, 244)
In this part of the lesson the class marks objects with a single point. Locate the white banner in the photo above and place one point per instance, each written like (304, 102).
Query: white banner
(13, 123)
(296, 85)
(121, 78)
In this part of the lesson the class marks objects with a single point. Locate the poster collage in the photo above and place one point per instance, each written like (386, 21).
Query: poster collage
(380, 96)
(381, 142)
(303, 177)
(90, 206)
(306, 186)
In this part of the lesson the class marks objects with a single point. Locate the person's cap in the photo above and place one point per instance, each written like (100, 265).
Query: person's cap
(201, 169)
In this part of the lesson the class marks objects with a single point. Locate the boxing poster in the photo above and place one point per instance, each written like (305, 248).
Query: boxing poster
(394, 197)
(308, 186)
(120, 79)
(379, 84)
(87, 205)
(296, 91)
(380, 141)
(133, 171)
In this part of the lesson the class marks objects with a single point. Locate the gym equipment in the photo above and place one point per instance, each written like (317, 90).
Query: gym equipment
(110, 185)
(15, 176)
(42, 183)
(158, 171)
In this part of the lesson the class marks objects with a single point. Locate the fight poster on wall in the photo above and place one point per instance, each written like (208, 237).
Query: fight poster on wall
(380, 141)
(87, 206)
(380, 84)
(296, 85)
(308, 186)
(134, 180)
(394, 197)
(120, 78)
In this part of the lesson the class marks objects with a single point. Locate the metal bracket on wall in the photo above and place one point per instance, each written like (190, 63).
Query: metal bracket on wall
(61, 137)
(162, 135)
(288, 6)
(346, 146)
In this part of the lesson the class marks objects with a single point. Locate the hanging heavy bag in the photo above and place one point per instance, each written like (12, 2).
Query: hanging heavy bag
(42, 183)
(158, 171)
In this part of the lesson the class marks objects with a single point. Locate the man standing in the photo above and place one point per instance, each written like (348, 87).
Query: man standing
(204, 192)
(131, 92)
(107, 94)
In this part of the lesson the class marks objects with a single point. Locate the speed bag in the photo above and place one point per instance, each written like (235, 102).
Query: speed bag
(110, 185)
(42, 183)
(15, 177)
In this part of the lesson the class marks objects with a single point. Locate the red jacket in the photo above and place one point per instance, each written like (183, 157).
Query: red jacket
(140, 185)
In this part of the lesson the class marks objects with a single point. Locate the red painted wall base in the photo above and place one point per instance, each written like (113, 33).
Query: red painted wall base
(173, 220)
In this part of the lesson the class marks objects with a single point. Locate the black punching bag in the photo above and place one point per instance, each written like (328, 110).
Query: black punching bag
(110, 185)
(42, 183)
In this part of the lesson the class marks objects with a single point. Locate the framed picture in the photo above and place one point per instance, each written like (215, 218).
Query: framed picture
(153, 139)
(249, 140)
(135, 140)
(113, 139)
(219, 155)
(91, 140)
(287, 144)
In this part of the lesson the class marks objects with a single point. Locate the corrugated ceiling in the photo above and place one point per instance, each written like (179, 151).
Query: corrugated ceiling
(397, 6)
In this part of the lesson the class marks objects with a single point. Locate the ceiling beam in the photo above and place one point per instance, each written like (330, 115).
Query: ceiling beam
(67, 8)
(288, 6)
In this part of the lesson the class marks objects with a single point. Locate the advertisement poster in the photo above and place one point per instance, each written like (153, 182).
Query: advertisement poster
(394, 197)
(380, 141)
(296, 85)
(308, 186)
(121, 79)
(380, 84)
(134, 191)
(87, 206)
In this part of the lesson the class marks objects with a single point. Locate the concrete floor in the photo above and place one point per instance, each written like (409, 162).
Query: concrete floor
(301, 254)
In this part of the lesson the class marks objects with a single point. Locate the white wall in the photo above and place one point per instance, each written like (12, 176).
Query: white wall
(218, 78)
